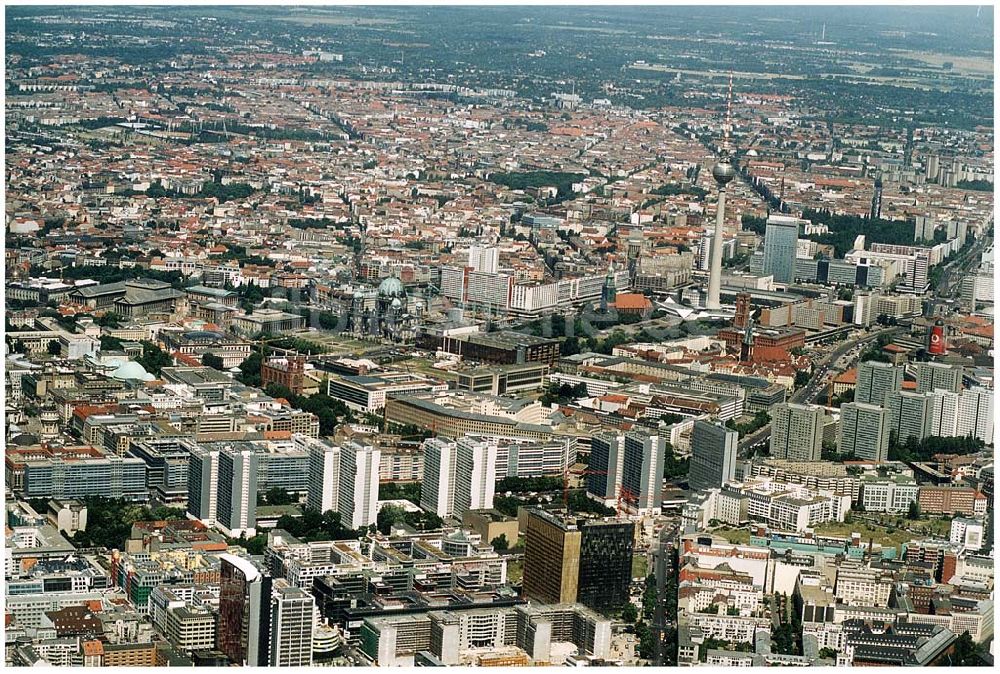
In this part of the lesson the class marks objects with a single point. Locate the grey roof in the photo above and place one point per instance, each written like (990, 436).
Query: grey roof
(103, 289)
(472, 416)
(143, 296)
(213, 292)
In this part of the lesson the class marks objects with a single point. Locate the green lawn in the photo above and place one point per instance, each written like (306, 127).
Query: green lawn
(515, 571)
(887, 537)
(734, 536)
(640, 565)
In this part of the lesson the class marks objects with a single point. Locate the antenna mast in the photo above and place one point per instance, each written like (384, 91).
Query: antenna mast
(729, 116)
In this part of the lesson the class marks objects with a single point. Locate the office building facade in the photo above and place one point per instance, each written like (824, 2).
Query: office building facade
(293, 619)
(551, 559)
(244, 612)
(713, 455)
(781, 238)
(606, 550)
(574, 560)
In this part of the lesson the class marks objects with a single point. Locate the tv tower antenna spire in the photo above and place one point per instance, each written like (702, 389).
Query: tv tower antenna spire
(723, 172)
(727, 128)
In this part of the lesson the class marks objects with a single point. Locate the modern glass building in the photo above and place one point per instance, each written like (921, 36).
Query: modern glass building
(568, 560)
(606, 550)
(781, 238)
(244, 612)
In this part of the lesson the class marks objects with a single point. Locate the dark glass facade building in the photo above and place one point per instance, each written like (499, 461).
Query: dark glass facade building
(606, 550)
(244, 608)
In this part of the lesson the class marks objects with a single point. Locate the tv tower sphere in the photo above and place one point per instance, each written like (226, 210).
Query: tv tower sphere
(723, 171)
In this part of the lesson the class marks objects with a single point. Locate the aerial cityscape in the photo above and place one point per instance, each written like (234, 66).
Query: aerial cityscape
(499, 336)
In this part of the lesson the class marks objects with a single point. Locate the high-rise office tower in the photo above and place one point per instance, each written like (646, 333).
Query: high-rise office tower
(244, 612)
(569, 560)
(358, 484)
(203, 485)
(876, 381)
(909, 415)
(935, 376)
(796, 432)
(551, 559)
(781, 239)
(713, 455)
(642, 472)
(723, 172)
(236, 513)
(293, 618)
(324, 477)
(484, 259)
(607, 454)
(864, 431)
(606, 549)
(437, 491)
(475, 474)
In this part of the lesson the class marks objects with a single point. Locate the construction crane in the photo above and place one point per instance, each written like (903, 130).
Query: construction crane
(626, 496)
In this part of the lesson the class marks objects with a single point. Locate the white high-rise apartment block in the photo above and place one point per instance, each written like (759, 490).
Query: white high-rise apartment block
(607, 455)
(437, 492)
(909, 414)
(713, 455)
(642, 472)
(943, 413)
(863, 304)
(939, 376)
(453, 281)
(977, 289)
(876, 381)
(359, 484)
(203, 485)
(458, 476)
(236, 512)
(975, 414)
(864, 431)
(797, 432)
(324, 477)
(475, 474)
(484, 258)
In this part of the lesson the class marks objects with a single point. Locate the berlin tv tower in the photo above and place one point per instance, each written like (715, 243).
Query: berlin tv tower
(723, 172)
